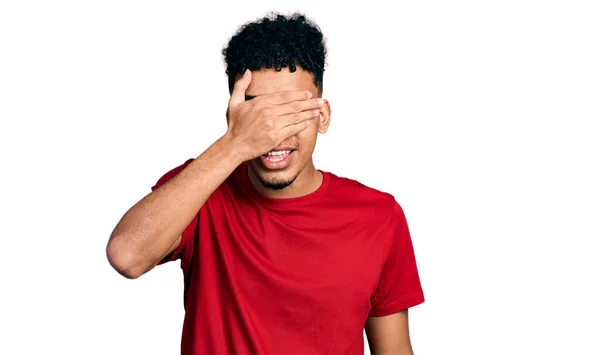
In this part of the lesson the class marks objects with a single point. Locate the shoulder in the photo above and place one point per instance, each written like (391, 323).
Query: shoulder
(371, 200)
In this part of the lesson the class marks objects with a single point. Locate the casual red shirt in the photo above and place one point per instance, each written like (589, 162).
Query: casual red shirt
(296, 275)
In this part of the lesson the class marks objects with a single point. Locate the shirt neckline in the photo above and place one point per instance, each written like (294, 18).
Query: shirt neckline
(243, 180)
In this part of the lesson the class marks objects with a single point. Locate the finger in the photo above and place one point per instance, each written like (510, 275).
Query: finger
(297, 117)
(238, 94)
(299, 106)
(291, 130)
(282, 97)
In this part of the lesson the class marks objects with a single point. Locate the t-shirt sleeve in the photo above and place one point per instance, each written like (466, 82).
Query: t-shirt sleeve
(185, 247)
(399, 286)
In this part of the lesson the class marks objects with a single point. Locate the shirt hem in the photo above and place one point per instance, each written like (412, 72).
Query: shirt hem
(398, 306)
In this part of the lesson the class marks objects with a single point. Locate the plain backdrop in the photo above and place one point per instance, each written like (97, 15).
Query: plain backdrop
(480, 117)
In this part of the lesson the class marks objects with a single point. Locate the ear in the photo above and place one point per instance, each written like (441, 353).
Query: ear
(324, 118)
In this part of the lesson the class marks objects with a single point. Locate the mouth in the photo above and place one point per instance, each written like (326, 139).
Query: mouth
(277, 159)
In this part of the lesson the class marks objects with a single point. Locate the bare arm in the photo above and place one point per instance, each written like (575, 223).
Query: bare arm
(152, 227)
(389, 335)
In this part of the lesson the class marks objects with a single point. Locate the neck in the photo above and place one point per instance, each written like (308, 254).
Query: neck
(307, 182)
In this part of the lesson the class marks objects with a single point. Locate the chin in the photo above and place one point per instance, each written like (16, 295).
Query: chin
(274, 179)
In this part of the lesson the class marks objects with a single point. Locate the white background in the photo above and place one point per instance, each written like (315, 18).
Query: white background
(480, 117)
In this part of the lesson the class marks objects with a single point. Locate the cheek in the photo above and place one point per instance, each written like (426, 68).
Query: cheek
(307, 139)
(309, 134)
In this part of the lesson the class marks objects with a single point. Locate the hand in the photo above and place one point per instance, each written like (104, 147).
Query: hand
(261, 124)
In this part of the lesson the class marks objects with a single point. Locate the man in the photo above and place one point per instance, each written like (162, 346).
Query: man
(278, 257)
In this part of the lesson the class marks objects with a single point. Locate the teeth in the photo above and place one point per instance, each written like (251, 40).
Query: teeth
(275, 156)
(281, 152)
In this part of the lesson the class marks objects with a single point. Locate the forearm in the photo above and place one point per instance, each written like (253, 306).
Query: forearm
(150, 227)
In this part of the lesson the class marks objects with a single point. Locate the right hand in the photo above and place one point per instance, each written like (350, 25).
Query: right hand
(261, 124)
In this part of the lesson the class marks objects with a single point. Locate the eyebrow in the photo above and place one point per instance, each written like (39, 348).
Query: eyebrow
(249, 97)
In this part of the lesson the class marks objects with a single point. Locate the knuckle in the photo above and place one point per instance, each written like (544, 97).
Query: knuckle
(296, 106)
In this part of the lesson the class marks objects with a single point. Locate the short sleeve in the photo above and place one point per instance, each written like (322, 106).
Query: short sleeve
(184, 248)
(399, 286)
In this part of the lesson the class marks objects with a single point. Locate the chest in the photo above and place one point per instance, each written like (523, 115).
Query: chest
(294, 268)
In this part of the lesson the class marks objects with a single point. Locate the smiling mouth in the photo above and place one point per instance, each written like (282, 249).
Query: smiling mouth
(275, 156)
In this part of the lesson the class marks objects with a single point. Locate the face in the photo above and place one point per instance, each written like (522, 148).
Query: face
(300, 167)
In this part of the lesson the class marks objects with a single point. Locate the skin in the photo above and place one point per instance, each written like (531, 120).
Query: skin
(300, 177)
(151, 229)
(387, 335)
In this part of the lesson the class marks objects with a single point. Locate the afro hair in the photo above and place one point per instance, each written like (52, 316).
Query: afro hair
(276, 41)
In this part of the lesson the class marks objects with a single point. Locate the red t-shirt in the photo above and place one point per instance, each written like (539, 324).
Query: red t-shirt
(296, 275)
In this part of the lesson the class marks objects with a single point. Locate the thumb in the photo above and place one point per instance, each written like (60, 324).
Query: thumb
(238, 94)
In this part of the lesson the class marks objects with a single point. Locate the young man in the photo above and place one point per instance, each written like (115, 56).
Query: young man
(278, 257)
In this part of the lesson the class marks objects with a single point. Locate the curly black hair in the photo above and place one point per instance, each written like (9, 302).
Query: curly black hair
(277, 41)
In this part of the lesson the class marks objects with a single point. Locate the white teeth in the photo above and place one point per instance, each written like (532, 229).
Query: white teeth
(276, 156)
(281, 152)
(274, 159)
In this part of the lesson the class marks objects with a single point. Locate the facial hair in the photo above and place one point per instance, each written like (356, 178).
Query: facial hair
(274, 185)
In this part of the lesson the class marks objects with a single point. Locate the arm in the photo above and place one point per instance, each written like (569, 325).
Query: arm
(389, 335)
(398, 289)
(152, 228)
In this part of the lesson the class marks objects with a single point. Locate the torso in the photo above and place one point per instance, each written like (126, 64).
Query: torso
(283, 279)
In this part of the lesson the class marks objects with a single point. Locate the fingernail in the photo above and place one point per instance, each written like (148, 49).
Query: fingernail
(246, 73)
(321, 102)
(309, 94)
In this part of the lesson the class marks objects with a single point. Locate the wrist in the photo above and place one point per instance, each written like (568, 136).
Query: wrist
(231, 148)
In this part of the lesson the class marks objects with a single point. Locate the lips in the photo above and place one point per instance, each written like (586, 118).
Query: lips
(277, 159)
